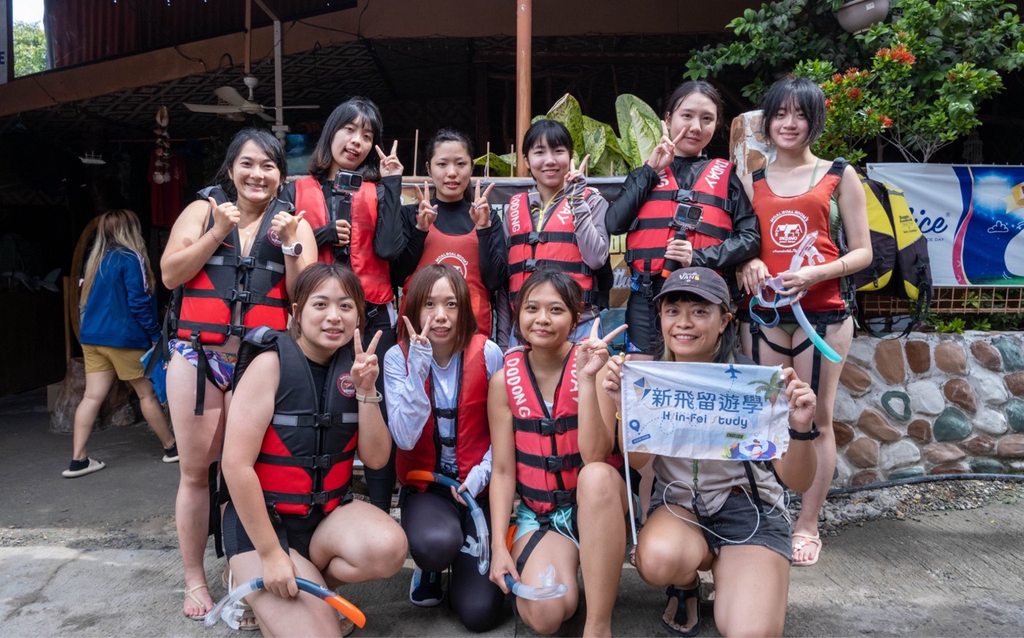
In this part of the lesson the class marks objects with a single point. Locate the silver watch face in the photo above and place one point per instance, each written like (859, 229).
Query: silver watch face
(294, 250)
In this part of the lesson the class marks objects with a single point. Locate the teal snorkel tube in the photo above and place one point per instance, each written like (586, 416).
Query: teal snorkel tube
(776, 299)
(482, 547)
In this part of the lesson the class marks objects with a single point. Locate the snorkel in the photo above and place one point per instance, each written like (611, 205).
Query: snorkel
(548, 588)
(776, 299)
(481, 547)
(231, 612)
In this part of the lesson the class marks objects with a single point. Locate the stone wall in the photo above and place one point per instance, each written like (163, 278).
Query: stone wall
(930, 404)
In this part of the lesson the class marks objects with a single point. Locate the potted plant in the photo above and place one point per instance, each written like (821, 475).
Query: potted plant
(857, 15)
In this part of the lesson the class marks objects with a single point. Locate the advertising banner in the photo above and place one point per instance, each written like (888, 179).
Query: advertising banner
(972, 216)
(704, 410)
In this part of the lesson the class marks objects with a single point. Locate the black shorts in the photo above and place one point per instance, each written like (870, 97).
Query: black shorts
(643, 336)
(294, 532)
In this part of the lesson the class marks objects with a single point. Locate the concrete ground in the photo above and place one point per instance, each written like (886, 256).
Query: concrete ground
(96, 556)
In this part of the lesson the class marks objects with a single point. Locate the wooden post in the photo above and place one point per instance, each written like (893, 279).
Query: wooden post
(524, 35)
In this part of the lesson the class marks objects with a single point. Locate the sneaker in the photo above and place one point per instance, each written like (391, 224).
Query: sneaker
(426, 589)
(83, 467)
(171, 454)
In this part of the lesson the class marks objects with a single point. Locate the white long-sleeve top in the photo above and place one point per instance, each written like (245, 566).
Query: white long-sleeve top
(409, 405)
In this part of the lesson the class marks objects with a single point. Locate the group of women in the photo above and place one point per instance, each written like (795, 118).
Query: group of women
(285, 298)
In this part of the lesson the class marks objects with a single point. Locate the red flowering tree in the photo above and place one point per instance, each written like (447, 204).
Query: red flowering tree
(934, 65)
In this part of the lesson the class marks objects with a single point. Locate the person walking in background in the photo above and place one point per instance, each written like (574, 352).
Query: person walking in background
(119, 322)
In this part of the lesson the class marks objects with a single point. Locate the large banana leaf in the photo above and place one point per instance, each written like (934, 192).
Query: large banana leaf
(606, 156)
(501, 165)
(567, 111)
(640, 127)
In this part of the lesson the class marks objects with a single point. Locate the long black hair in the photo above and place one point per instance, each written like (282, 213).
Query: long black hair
(354, 109)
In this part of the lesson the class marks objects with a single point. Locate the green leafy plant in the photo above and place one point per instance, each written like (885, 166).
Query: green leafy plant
(955, 325)
(29, 48)
(609, 154)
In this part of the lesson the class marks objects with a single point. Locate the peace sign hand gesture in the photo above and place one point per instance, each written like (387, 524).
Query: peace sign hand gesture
(420, 338)
(389, 164)
(480, 209)
(592, 354)
(426, 213)
(575, 179)
(663, 153)
(613, 380)
(365, 369)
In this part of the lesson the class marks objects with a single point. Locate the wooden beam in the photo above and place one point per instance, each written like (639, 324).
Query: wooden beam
(524, 46)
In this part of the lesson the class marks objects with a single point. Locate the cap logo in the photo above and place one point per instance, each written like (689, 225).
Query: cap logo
(689, 276)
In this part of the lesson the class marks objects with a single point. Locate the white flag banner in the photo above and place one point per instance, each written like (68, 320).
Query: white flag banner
(704, 410)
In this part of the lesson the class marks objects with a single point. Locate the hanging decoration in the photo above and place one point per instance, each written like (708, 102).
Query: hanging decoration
(162, 152)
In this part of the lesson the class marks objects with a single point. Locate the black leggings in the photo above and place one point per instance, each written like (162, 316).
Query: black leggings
(437, 527)
(380, 483)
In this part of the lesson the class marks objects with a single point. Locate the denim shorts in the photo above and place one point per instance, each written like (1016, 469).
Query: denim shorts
(738, 518)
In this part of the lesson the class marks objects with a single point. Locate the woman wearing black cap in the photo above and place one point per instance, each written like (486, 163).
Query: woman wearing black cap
(751, 569)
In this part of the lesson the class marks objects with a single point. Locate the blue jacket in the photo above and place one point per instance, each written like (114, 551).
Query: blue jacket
(119, 312)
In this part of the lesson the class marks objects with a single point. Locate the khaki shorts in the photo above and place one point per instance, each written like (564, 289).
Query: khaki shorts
(125, 361)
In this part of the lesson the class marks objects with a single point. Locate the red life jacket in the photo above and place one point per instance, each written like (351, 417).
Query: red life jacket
(547, 449)
(472, 433)
(305, 459)
(651, 231)
(253, 285)
(462, 252)
(374, 273)
(785, 221)
(554, 247)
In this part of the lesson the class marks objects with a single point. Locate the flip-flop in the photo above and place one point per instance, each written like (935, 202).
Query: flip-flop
(190, 594)
(681, 617)
(248, 620)
(804, 541)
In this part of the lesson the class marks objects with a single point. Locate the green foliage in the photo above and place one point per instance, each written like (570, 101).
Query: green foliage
(29, 48)
(609, 154)
(772, 39)
(918, 80)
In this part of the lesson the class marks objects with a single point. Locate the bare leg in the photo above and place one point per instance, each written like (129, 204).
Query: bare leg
(602, 542)
(751, 591)
(546, 616)
(199, 441)
(839, 336)
(97, 385)
(358, 542)
(669, 553)
(151, 411)
(303, 615)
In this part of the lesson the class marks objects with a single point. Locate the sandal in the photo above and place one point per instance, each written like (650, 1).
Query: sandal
(680, 617)
(190, 594)
(814, 545)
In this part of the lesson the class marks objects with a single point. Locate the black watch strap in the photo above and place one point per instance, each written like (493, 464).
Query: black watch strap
(810, 435)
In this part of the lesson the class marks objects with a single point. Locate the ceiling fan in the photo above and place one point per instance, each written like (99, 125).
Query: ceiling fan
(234, 104)
(231, 102)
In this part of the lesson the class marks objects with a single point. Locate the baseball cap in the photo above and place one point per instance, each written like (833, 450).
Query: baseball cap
(703, 282)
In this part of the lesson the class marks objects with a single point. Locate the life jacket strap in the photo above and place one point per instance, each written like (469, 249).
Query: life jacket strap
(551, 464)
(558, 498)
(314, 420)
(546, 427)
(317, 461)
(542, 237)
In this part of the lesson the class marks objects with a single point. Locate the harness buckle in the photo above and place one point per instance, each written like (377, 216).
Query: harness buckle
(243, 296)
(554, 463)
(322, 462)
(319, 498)
(247, 263)
(562, 498)
(322, 420)
(548, 427)
(684, 195)
(534, 238)
(530, 265)
(447, 441)
(446, 413)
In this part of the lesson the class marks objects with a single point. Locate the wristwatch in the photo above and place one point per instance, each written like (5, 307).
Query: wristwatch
(292, 250)
(810, 435)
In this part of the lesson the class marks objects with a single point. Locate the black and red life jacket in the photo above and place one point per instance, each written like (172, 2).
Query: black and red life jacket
(553, 247)
(472, 433)
(305, 459)
(374, 273)
(650, 232)
(548, 456)
(204, 306)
